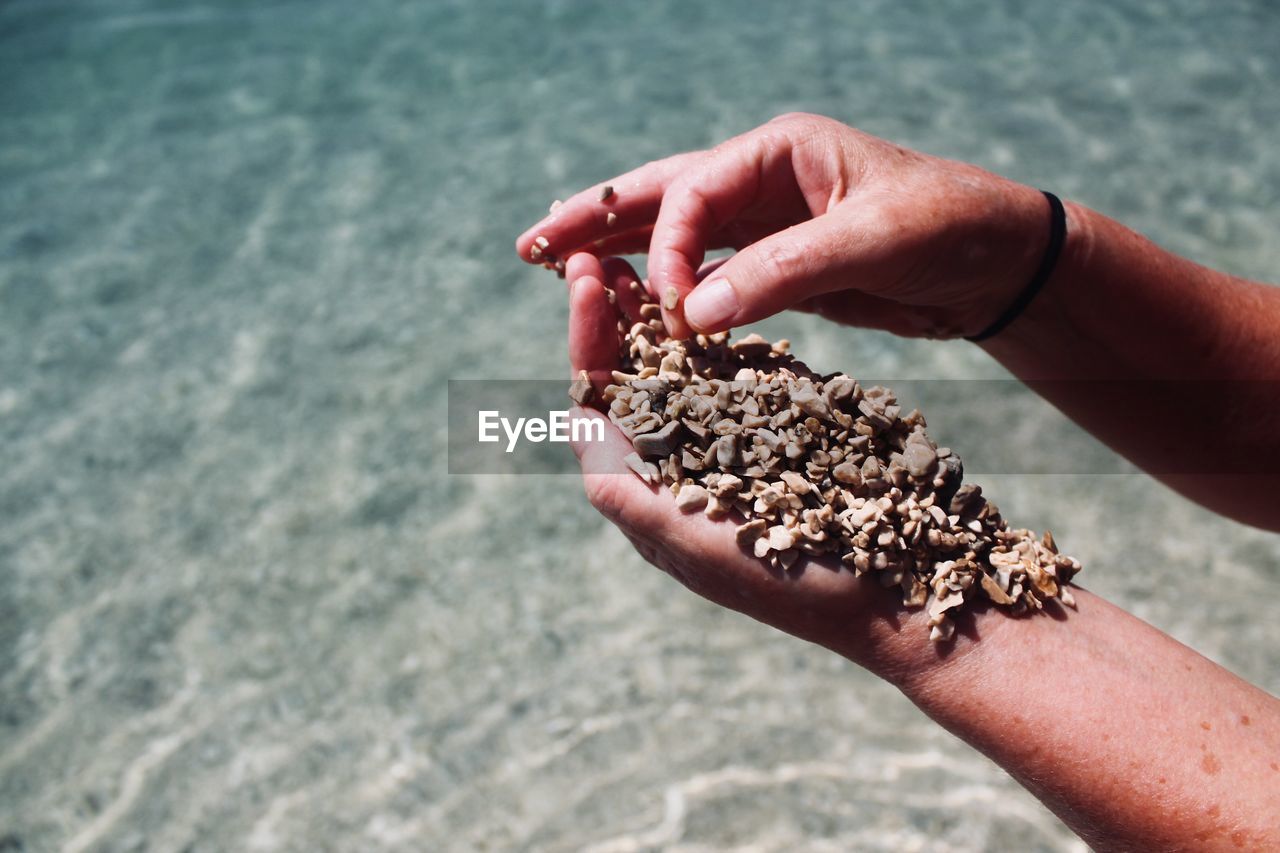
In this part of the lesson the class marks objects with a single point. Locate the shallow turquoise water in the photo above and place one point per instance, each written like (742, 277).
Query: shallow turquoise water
(242, 247)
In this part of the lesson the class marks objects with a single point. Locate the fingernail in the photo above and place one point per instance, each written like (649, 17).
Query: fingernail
(711, 305)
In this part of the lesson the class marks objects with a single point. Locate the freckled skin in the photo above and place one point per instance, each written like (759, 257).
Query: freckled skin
(1085, 710)
(1210, 763)
(1084, 735)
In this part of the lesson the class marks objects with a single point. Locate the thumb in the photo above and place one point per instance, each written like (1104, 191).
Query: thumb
(817, 256)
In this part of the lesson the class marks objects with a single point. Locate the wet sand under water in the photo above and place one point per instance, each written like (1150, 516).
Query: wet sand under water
(242, 604)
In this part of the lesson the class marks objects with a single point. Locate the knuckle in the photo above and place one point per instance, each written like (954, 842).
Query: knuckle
(778, 262)
(692, 210)
(795, 117)
(802, 125)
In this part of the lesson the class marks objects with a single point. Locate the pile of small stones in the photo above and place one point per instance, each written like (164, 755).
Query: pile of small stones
(819, 465)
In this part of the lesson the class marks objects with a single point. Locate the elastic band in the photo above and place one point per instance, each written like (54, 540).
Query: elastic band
(1057, 236)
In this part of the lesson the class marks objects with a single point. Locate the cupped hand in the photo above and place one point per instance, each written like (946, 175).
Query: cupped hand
(816, 599)
(824, 218)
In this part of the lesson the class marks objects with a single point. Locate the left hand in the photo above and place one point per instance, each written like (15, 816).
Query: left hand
(817, 600)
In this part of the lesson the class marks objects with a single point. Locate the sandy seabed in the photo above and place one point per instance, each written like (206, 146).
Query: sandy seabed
(242, 246)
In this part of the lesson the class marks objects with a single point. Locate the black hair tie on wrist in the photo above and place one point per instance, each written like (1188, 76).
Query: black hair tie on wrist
(1057, 236)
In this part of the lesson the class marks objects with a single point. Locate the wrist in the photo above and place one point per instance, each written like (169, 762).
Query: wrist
(1119, 307)
(1048, 309)
(1004, 231)
(892, 642)
(1043, 272)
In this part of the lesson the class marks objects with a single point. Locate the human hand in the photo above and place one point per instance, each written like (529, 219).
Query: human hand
(825, 218)
(816, 599)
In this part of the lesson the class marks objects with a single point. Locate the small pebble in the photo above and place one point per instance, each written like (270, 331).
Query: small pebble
(717, 509)
(580, 390)
(748, 533)
(635, 463)
(920, 458)
(659, 443)
(605, 192)
(692, 498)
(818, 468)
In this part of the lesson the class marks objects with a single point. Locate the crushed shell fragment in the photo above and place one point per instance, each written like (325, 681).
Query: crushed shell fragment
(817, 465)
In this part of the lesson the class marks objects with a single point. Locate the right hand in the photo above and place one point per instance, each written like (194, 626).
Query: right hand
(824, 218)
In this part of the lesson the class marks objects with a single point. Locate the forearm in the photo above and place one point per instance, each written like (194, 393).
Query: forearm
(1134, 740)
(1120, 307)
(1174, 365)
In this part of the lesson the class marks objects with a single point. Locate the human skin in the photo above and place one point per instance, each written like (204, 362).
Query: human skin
(1134, 740)
(828, 219)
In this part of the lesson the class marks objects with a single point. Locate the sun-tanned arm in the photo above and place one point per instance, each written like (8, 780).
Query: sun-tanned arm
(1174, 365)
(1134, 740)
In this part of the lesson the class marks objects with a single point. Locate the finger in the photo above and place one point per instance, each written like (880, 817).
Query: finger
(580, 265)
(631, 291)
(833, 252)
(621, 278)
(705, 200)
(695, 207)
(577, 223)
(593, 321)
(637, 241)
(634, 242)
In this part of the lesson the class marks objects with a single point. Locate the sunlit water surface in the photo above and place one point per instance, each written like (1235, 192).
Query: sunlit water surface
(243, 245)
